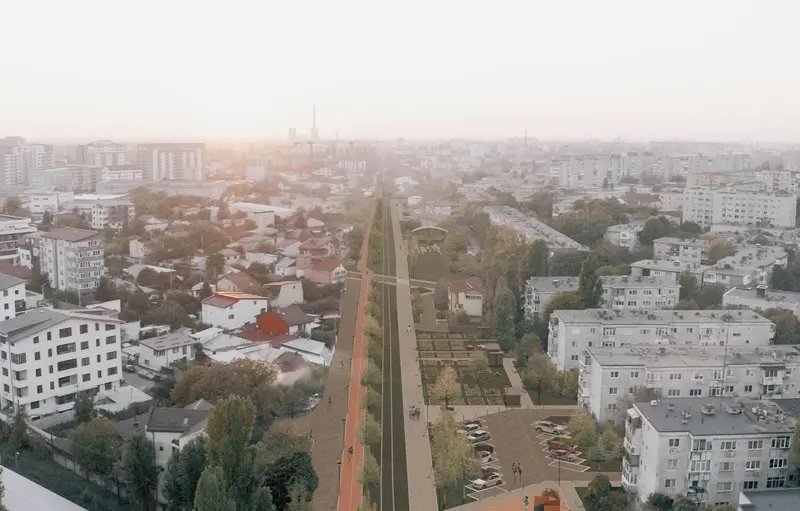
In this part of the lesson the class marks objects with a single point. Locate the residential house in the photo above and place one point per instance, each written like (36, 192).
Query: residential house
(160, 352)
(313, 352)
(467, 295)
(231, 256)
(230, 311)
(285, 293)
(316, 247)
(154, 224)
(238, 282)
(286, 267)
(289, 247)
(762, 298)
(12, 297)
(324, 271)
(73, 259)
(140, 249)
(286, 320)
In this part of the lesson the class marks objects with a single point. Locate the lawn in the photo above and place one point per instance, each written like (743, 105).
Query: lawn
(486, 388)
(550, 399)
(604, 466)
(429, 265)
(583, 492)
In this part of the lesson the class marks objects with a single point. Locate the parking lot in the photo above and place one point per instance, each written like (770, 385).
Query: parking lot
(491, 471)
(516, 441)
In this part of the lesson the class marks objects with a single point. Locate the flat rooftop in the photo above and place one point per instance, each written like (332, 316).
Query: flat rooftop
(708, 316)
(777, 499)
(693, 242)
(664, 265)
(171, 340)
(673, 356)
(770, 295)
(566, 284)
(684, 415)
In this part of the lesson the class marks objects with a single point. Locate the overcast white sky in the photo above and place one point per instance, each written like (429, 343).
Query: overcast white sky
(704, 69)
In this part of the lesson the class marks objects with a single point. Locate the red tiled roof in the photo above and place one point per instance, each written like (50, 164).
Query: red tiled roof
(315, 243)
(242, 280)
(253, 334)
(472, 284)
(223, 302)
(325, 264)
(20, 272)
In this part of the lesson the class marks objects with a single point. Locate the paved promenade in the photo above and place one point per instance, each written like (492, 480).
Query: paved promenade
(421, 490)
(512, 501)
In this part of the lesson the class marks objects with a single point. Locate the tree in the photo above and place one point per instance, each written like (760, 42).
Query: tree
(138, 468)
(719, 248)
(535, 262)
(371, 376)
(229, 430)
(454, 460)
(84, 407)
(370, 474)
(538, 374)
(566, 264)
(183, 472)
(211, 494)
(262, 500)
(479, 363)
(47, 221)
(298, 499)
(590, 288)
(292, 402)
(724, 507)
(690, 227)
(105, 290)
(206, 291)
(683, 503)
(505, 317)
(95, 446)
(2, 491)
(446, 387)
(688, 283)
(528, 345)
(659, 502)
(599, 488)
(564, 301)
(286, 472)
(214, 265)
(369, 432)
(653, 229)
(18, 438)
(610, 444)
(13, 206)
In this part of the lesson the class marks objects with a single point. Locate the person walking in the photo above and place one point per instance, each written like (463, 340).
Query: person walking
(519, 471)
(514, 470)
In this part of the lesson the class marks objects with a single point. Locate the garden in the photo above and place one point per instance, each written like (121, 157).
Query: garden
(463, 378)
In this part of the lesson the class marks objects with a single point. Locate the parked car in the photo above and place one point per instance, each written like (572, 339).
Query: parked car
(561, 454)
(478, 436)
(483, 446)
(550, 427)
(477, 422)
(469, 428)
(554, 445)
(485, 456)
(492, 480)
(129, 368)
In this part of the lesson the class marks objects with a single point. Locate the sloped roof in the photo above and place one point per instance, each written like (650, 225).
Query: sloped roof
(325, 264)
(223, 302)
(7, 281)
(176, 420)
(6, 268)
(471, 284)
(315, 243)
(254, 334)
(69, 234)
(293, 315)
(241, 280)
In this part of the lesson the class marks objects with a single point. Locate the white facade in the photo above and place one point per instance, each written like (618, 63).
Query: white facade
(685, 250)
(13, 298)
(72, 258)
(102, 152)
(168, 162)
(230, 311)
(669, 269)
(670, 200)
(573, 331)
(531, 228)
(52, 201)
(625, 235)
(620, 292)
(112, 213)
(708, 451)
(587, 171)
(285, 293)
(162, 351)
(708, 206)
(609, 377)
(12, 229)
(18, 159)
(49, 356)
(762, 298)
(127, 173)
(138, 249)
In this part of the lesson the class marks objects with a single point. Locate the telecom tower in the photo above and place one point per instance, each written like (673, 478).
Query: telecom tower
(313, 134)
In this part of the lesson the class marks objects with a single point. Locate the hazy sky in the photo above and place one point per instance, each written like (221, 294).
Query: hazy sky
(704, 69)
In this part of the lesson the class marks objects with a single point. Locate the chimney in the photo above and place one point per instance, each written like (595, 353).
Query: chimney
(761, 291)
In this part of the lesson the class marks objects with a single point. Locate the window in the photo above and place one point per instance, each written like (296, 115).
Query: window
(84, 329)
(672, 463)
(99, 374)
(85, 345)
(230, 316)
(68, 364)
(52, 385)
(612, 391)
(673, 393)
(615, 374)
(778, 463)
(111, 339)
(18, 358)
(609, 331)
(748, 388)
(776, 482)
(64, 332)
(86, 377)
(36, 340)
(96, 327)
(99, 358)
(37, 356)
(634, 374)
(781, 442)
(49, 336)
(674, 442)
(110, 327)
(112, 371)
(669, 483)
(725, 486)
(34, 405)
(38, 373)
(111, 355)
(631, 390)
(752, 465)
(675, 376)
(49, 352)
(62, 400)
(726, 466)
(750, 485)
(85, 361)
(611, 407)
(728, 445)
(39, 389)
(701, 445)
(701, 465)
(755, 445)
(61, 349)
(695, 392)
(97, 342)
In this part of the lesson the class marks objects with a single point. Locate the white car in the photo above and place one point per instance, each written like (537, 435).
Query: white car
(550, 427)
(492, 480)
(478, 436)
(485, 456)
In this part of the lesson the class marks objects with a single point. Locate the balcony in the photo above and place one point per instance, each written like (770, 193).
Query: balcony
(629, 481)
(771, 380)
(631, 449)
(652, 384)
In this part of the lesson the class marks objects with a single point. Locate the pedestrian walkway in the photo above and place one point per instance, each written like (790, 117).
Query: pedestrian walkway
(516, 382)
(512, 501)
(464, 412)
(428, 319)
(421, 490)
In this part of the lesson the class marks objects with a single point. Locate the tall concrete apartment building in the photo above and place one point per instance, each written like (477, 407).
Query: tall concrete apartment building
(12, 229)
(610, 378)
(709, 450)
(49, 356)
(172, 161)
(574, 331)
(708, 206)
(587, 171)
(19, 159)
(102, 152)
(685, 250)
(72, 258)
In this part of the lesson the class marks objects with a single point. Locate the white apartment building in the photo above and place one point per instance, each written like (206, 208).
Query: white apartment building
(749, 266)
(13, 297)
(230, 311)
(670, 200)
(620, 292)
(12, 229)
(610, 377)
(709, 450)
(573, 331)
(625, 235)
(685, 250)
(670, 269)
(18, 159)
(168, 161)
(102, 152)
(160, 352)
(762, 298)
(48, 356)
(73, 259)
(587, 171)
(121, 173)
(112, 213)
(708, 206)
(48, 200)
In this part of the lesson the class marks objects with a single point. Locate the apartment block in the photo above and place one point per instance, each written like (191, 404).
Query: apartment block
(708, 450)
(750, 266)
(172, 161)
(72, 258)
(13, 297)
(121, 173)
(611, 377)
(670, 199)
(620, 292)
(102, 152)
(625, 235)
(588, 171)
(49, 356)
(709, 206)
(531, 229)
(573, 331)
(18, 159)
(12, 230)
(687, 250)
(669, 269)
(762, 298)
(114, 214)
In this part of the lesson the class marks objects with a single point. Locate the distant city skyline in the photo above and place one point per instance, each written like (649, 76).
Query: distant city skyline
(717, 71)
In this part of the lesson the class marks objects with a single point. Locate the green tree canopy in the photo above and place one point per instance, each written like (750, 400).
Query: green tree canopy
(505, 318)
(95, 446)
(589, 285)
(138, 470)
